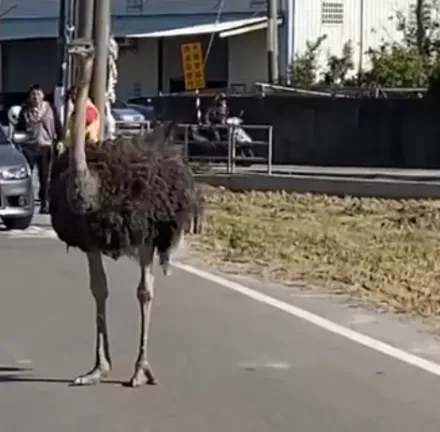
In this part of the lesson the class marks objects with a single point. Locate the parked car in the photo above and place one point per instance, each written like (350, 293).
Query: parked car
(147, 110)
(16, 191)
(128, 119)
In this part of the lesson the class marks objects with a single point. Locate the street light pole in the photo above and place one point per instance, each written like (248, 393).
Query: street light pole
(101, 41)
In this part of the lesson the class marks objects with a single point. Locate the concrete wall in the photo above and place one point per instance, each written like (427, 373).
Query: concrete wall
(138, 70)
(247, 61)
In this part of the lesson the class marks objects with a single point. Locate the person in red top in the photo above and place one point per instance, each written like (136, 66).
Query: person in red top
(92, 121)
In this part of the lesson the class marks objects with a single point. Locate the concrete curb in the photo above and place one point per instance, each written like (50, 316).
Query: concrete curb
(339, 186)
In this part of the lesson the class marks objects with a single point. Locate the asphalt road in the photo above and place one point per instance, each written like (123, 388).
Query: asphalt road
(224, 362)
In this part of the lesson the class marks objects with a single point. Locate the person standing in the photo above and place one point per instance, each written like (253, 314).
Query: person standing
(40, 122)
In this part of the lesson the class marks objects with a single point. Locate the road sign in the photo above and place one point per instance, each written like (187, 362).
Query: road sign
(193, 68)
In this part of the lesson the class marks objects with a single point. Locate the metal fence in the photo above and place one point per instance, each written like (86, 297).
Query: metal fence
(232, 152)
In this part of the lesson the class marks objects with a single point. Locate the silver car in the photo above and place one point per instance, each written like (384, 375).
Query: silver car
(16, 191)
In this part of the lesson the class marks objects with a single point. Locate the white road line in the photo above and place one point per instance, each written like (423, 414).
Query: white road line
(33, 232)
(324, 323)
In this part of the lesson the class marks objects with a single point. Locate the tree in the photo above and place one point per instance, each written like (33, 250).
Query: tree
(411, 61)
(339, 67)
(304, 71)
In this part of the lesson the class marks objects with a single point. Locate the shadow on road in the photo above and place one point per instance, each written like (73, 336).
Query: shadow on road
(6, 369)
(25, 378)
(22, 374)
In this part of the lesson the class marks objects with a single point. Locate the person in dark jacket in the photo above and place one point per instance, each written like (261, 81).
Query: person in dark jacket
(217, 114)
(42, 126)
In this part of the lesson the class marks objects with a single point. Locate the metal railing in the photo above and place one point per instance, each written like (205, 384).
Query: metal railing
(232, 156)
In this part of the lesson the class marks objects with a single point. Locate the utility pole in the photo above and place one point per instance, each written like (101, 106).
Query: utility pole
(272, 42)
(83, 22)
(84, 19)
(101, 41)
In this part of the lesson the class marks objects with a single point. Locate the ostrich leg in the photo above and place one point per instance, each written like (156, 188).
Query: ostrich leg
(143, 373)
(98, 286)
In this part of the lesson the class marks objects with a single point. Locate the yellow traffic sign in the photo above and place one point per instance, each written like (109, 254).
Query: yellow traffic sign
(192, 64)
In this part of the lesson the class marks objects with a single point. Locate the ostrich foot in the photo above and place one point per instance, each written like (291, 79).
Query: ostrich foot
(93, 377)
(165, 263)
(143, 374)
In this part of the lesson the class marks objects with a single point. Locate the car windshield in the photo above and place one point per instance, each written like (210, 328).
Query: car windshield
(3, 138)
(119, 104)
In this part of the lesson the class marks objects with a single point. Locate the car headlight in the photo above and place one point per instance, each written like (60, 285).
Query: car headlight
(15, 173)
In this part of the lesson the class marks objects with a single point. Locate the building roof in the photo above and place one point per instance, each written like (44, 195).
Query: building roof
(32, 19)
(38, 9)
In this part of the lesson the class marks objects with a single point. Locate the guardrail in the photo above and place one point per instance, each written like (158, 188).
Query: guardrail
(235, 151)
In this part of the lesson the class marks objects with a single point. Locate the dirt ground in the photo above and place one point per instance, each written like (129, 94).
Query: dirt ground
(385, 252)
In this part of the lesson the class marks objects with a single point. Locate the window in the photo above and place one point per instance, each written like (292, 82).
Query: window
(258, 4)
(134, 5)
(137, 89)
(426, 14)
(332, 13)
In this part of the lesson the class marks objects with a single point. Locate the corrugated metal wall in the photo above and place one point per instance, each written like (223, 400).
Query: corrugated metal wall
(377, 25)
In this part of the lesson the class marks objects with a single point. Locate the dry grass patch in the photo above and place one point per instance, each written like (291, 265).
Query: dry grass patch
(387, 252)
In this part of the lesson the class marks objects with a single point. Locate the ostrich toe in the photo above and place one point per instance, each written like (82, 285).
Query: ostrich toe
(92, 377)
(143, 375)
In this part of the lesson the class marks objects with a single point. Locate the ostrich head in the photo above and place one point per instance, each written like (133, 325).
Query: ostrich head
(82, 186)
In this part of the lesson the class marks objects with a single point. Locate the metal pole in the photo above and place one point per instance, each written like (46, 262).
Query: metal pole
(361, 38)
(62, 57)
(70, 23)
(84, 25)
(84, 22)
(62, 62)
(270, 151)
(290, 36)
(272, 42)
(101, 40)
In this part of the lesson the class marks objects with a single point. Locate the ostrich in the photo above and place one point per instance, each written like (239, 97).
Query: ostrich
(119, 199)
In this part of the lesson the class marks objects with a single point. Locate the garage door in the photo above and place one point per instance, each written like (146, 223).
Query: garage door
(29, 62)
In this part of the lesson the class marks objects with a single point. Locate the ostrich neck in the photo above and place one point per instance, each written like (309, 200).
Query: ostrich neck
(78, 154)
(83, 185)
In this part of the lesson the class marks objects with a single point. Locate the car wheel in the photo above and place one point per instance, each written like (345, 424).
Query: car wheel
(18, 223)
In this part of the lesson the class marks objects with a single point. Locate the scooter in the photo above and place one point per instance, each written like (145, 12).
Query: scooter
(241, 137)
(203, 141)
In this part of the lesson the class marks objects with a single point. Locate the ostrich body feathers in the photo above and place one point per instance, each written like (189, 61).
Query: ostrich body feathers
(145, 193)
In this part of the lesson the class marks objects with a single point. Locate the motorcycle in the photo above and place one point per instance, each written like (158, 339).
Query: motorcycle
(204, 142)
